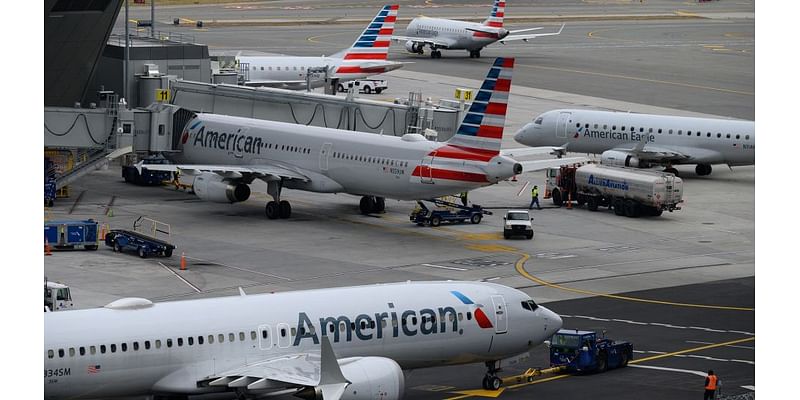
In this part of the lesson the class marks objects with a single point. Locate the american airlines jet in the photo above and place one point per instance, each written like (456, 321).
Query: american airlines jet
(342, 343)
(367, 56)
(449, 34)
(645, 140)
(227, 153)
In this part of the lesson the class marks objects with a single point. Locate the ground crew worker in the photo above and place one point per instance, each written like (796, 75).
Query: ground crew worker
(464, 198)
(535, 198)
(711, 385)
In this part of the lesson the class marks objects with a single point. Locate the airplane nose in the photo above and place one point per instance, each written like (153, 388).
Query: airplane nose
(554, 321)
(520, 136)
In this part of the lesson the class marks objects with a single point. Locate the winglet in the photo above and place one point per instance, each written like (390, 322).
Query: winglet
(139, 166)
(331, 380)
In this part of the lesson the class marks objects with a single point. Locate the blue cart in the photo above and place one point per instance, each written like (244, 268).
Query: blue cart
(145, 245)
(71, 234)
(582, 351)
(453, 213)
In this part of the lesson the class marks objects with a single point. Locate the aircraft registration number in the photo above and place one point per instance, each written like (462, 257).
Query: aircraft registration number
(56, 372)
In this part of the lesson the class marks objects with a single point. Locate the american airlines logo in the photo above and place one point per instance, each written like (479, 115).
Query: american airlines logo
(613, 134)
(227, 141)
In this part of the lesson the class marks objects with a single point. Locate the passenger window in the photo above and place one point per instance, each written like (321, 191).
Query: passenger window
(680, 132)
(719, 135)
(102, 349)
(180, 341)
(746, 137)
(283, 332)
(262, 68)
(92, 350)
(60, 353)
(708, 134)
(50, 354)
(82, 351)
(586, 126)
(124, 347)
(605, 126)
(221, 338)
(578, 125)
(72, 352)
(252, 335)
(469, 315)
(294, 332)
(113, 348)
(199, 340)
(231, 337)
(614, 127)
(688, 133)
(698, 133)
(623, 128)
(659, 130)
(210, 339)
(728, 136)
(135, 346)
(670, 131)
(147, 345)
(737, 137)
(241, 337)
(595, 126)
(169, 342)
(460, 316)
(190, 340)
(158, 343)
(263, 333)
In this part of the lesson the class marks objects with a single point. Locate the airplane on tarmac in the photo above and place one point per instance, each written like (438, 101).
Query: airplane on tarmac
(337, 343)
(226, 153)
(644, 140)
(366, 57)
(449, 34)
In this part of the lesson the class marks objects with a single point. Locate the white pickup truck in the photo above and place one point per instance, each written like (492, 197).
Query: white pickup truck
(366, 86)
(517, 222)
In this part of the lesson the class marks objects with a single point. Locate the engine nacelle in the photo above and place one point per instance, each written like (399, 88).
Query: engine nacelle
(413, 47)
(619, 159)
(501, 168)
(370, 378)
(214, 188)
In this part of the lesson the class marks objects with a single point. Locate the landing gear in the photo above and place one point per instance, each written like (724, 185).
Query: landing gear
(474, 54)
(491, 381)
(436, 53)
(277, 208)
(702, 169)
(372, 204)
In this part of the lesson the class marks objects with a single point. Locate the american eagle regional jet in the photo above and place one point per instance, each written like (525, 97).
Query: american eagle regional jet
(450, 34)
(227, 153)
(367, 56)
(344, 343)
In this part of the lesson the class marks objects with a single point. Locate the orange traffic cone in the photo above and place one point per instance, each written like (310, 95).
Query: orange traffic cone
(569, 200)
(102, 232)
(183, 261)
(47, 250)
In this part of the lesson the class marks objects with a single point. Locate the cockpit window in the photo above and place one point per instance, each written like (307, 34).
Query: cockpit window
(529, 305)
(538, 121)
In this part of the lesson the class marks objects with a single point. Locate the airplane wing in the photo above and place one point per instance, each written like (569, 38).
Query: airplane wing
(530, 151)
(261, 171)
(657, 153)
(536, 165)
(529, 36)
(276, 84)
(442, 44)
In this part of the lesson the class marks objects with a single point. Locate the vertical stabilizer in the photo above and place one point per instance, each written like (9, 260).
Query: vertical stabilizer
(495, 19)
(482, 128)
(373, 43)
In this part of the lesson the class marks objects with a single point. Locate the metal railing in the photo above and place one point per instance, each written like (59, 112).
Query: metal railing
(119, 38)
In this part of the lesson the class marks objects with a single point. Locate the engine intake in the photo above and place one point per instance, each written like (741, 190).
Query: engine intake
(413, 47)
(620, 159)
(214, 188)
(501, 168)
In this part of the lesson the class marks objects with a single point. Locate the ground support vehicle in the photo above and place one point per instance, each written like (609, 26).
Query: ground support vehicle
(146, 177)
(632, 192)
(451, 212)
(517, 222)
(366, 86)
(71, 234)
(582, 352)
(49, 191)
(144, 244)
(56, 296)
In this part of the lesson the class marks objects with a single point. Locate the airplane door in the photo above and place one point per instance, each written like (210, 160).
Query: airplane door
(426, 170)
(324, 155)
(264, 337)
(561, 125)
(284, 335)
(500, 316)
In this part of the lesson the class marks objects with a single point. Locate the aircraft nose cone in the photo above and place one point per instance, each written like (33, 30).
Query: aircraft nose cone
(554, 322)
(520, 136)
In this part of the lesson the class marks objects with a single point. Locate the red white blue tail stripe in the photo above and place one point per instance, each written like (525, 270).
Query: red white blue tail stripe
(495, 19)
(373, 44)
(481, 131)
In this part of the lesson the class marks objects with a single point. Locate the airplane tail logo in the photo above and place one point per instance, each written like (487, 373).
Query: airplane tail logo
(373, 44)
(481, 131)
(495, 19)
(480, 316)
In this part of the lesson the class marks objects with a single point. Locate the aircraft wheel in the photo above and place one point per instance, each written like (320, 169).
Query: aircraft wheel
(379, 205)
(494, 383)
(477, 54)
(284, 209)
(272, 210)
(366, 205)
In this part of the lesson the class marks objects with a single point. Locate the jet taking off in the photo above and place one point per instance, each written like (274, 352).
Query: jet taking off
(227, 153)
(449, 34)
(367, 56)
(644, 140)
(342, 343)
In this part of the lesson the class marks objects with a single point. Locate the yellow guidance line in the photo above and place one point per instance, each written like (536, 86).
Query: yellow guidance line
(520, 267)
(693, 350)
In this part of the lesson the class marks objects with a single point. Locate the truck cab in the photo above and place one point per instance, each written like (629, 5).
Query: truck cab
(57, 296)
(582, 351)
(517, 222)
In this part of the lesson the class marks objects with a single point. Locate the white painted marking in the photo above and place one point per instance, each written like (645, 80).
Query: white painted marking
(443, 267)
(196, 289)
(627, 321)
(667, 325)
(750, 387)
(685, 371)
(239, 268)
(525, 186)
(706, 329)
(743, 333)
(493, 279)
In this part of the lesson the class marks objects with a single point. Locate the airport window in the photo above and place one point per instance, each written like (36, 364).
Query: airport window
(92, 350)
(252, 335)
(737, 137)
(169, 342)
(180, 341)
(135, 346)
(200, 340)
(221, 338)
(190, 340)
(102, 349)
(113, 348)
(50, 354)
(231, 337)
(61, 353)
(210, 339)
(82, 351)
(72, 352)
(147, 345)
(158, 343)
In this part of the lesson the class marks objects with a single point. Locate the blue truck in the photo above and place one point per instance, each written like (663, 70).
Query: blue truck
(583, 352)
(145, 246)
(453, 212)
(146, 177)
(71, 234)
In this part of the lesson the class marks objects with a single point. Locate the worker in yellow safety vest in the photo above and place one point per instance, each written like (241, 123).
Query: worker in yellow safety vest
(535, 198)
(711, 385)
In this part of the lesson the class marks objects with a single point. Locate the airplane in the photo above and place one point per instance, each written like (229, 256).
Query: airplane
(367, 56)
(227, 153)
(449, 34)
(335, 343)
(644, 140)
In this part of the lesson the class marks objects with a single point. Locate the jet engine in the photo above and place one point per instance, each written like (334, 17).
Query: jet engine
(370, 378)
(620, 159)
(501, 168)
(413, 47)
(212, 187)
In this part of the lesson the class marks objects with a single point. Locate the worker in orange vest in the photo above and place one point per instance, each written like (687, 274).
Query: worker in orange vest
(711, 385)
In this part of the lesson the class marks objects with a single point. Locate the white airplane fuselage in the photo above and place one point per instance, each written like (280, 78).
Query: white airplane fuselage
(290, 72)
(704, 140)
(169, 347)
(337, 161)
(451, 31)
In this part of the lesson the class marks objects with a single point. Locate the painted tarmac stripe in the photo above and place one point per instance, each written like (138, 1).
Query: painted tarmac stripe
(443, 267)
(196, 289)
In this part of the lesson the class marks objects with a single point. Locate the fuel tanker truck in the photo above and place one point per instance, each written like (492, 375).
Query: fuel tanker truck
(632, 192)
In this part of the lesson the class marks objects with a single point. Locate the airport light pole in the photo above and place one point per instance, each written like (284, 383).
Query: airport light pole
(127, 58)
(152, 18)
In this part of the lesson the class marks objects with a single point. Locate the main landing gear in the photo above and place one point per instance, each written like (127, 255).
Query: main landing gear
(372, 204)
(277, 208)
(474, 54)
(491, 381)
(436, 53)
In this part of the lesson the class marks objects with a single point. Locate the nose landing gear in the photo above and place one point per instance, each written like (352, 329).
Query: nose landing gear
(491, 381)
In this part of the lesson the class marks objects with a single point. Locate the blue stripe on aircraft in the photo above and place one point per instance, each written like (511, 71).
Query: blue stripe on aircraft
(493, 73)
(366, 37)
(371, 31)
(473, 118)
(488, 85)
(477, 107)
(379, 19)
(383, 13)
(464, 299)
(375, 26)
(195, 124)
(467, 130)
(499, 62)
(364, 44)
(483, 95)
